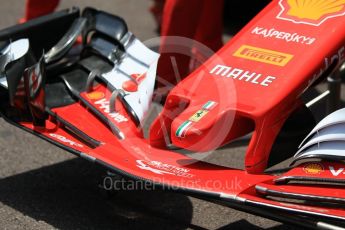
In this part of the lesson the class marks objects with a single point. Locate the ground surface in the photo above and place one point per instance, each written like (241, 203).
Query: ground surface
(43, 187)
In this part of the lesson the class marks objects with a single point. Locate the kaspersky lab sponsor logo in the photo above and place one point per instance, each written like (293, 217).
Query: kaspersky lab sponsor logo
(263, 55)
(310, 12)
(197, 116)
(281, 35)
(243, 75)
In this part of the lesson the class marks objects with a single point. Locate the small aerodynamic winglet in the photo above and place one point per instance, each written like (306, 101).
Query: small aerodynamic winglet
(334, 118)
(328, 134)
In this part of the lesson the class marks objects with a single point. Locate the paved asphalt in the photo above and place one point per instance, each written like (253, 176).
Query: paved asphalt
(43, 187)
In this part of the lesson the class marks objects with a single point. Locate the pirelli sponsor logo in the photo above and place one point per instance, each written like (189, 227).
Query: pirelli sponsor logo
(263, 55)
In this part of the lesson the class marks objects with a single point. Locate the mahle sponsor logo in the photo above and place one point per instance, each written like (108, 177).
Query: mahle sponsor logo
(243, 75)
(310, 12)
(263, 55)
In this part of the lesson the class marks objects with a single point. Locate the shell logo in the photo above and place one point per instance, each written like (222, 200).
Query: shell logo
(95, 95)
(313, 168)
(311, 12)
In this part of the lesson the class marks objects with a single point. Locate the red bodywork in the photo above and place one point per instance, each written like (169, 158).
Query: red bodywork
(256, 79)
(252, 84)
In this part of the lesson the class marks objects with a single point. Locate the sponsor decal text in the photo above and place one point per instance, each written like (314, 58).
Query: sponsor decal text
(243, 75)
(103, 104)
(263, 55)
(285, 36)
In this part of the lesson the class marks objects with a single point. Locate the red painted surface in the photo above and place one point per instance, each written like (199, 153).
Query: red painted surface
(260, 75)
